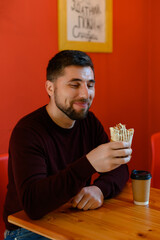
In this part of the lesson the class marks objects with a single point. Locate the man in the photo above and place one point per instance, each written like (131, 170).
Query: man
(55, 150)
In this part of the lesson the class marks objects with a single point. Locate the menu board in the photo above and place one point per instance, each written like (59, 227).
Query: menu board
(85, 25)
(86, 20)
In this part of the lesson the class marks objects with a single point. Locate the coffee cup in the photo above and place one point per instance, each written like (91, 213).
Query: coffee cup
(141, 181)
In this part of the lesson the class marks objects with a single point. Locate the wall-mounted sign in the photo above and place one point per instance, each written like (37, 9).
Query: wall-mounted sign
(85, 25)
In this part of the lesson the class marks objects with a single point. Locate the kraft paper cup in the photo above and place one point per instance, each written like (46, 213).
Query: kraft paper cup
(141, 181)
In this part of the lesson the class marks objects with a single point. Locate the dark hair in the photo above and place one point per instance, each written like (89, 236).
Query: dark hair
(67, 58)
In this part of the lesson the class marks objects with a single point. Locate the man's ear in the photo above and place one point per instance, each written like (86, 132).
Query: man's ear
(49, 87)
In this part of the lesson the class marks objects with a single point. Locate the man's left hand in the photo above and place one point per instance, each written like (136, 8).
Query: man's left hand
(90, 197)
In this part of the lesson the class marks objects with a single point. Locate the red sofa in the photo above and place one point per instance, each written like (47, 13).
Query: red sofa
(3, 188)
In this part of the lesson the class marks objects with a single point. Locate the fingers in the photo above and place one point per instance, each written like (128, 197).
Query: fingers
(84, 203)
(122, 152)
(121, 160)
(91, 205)
(77, 199)
(106, 156)
(119, 145)
(90, 197)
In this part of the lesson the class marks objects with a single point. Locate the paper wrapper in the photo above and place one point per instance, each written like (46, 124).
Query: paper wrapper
(120, 133)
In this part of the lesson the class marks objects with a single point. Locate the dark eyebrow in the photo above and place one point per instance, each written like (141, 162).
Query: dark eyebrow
(80, 80)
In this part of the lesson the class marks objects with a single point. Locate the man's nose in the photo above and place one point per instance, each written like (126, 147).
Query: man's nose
(84, 91)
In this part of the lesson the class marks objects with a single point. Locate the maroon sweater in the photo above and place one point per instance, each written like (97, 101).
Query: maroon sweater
(48, 165)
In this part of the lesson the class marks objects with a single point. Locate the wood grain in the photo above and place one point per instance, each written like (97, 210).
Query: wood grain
(117, 219)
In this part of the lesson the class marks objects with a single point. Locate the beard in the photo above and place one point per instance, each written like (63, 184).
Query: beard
(70, 111)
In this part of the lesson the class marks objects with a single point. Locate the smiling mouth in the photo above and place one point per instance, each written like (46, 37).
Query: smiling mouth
(82, 104)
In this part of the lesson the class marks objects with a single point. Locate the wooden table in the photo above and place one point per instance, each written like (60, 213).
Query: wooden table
(118, 219)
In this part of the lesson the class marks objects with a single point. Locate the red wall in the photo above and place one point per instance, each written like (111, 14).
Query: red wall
(28, 39)
(154, 77)
(127, 83)
(121, 93)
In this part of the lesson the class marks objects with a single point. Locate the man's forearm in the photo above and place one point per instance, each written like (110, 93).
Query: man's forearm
(112, 183)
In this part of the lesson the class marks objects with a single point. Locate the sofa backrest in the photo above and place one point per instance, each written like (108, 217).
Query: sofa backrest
(3, 188)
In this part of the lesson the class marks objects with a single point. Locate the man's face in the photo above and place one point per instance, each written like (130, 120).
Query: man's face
(74, 91)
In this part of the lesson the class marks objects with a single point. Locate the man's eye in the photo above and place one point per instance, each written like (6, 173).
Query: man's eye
(91, 85)
(74, 85)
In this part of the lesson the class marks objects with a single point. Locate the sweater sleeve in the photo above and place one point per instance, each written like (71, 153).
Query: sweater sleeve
(37, 192)
(112, 183)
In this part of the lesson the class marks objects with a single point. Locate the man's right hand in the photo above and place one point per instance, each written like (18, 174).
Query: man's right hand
(109, 156)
